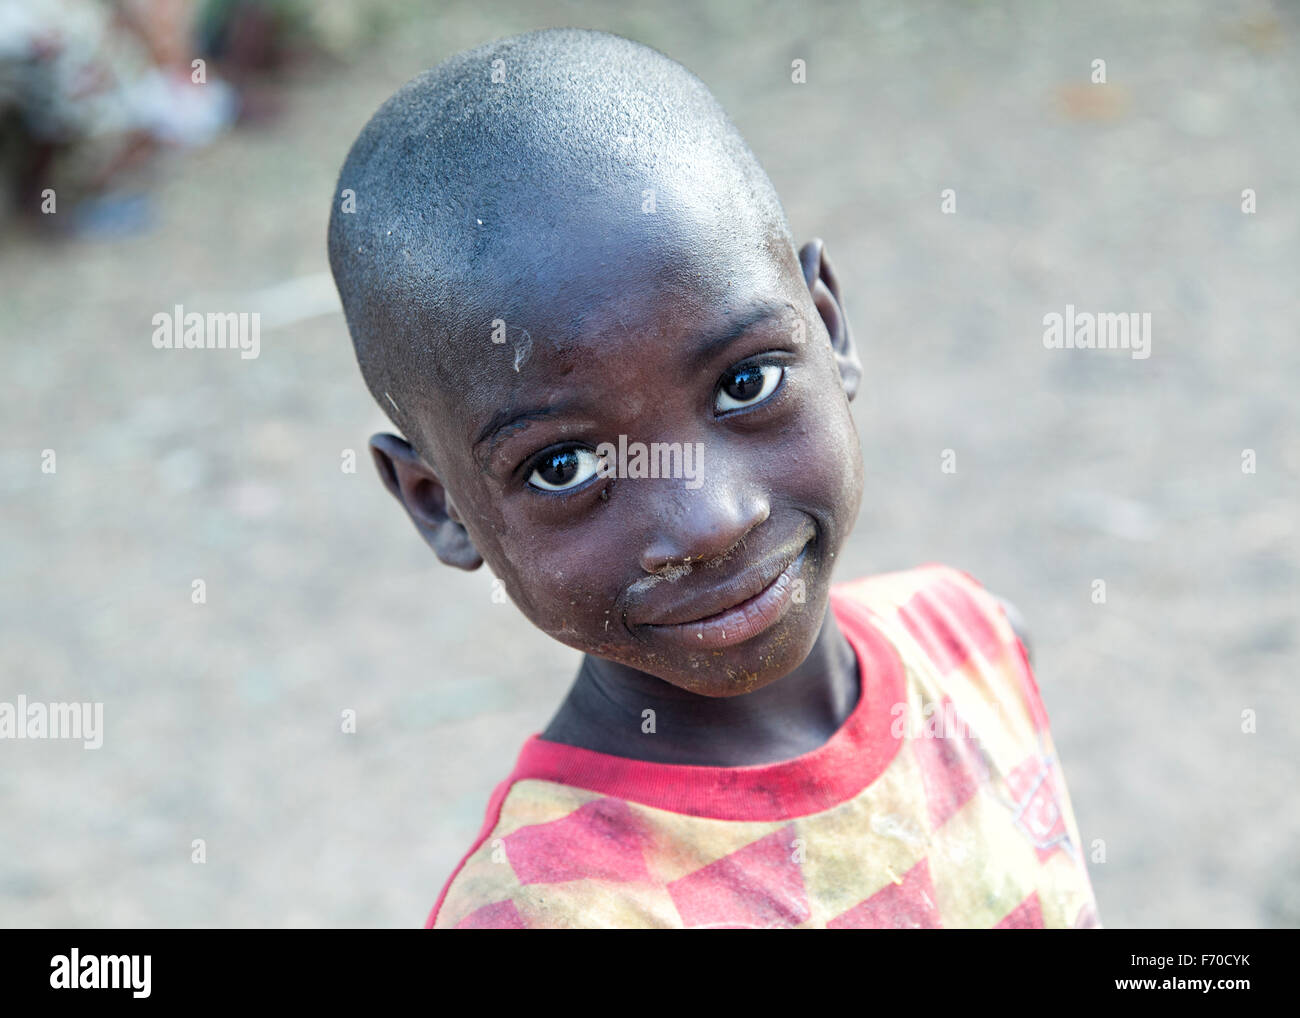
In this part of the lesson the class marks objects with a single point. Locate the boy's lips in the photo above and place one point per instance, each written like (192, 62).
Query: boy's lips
(730, 612)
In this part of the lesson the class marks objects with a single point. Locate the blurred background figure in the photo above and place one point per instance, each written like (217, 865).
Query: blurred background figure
(92, 90)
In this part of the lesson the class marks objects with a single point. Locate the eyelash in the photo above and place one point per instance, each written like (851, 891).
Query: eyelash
(533, 463)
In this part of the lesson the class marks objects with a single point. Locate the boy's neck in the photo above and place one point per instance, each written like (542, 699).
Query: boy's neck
(787, 718)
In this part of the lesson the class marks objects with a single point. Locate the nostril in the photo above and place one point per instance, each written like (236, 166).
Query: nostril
(670, 564)
(712, 530)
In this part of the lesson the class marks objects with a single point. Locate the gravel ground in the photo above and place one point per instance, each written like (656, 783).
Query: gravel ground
(223, 719)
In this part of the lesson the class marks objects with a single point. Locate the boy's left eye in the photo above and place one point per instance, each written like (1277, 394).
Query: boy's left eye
(747, 385)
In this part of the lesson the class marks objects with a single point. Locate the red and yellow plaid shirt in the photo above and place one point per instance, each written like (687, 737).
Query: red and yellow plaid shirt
(938, 803)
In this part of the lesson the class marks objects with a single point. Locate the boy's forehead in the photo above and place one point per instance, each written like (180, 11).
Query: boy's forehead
(635, 310)
(610, 287)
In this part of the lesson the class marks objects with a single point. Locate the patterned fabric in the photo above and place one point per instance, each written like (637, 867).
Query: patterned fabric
(938, 803)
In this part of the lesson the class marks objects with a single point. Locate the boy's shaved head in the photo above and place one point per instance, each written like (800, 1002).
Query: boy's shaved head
(476, 179)
(561, 245)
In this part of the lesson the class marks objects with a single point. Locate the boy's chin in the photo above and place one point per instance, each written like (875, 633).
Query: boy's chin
(746, 666)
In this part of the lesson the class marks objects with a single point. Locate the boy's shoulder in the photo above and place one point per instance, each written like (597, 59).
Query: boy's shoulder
(901, 586)
(934, 581)
(944, 622)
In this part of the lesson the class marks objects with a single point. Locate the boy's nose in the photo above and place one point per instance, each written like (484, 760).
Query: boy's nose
(704, 524)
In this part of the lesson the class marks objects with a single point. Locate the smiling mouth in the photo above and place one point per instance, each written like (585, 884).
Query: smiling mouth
(741, 621)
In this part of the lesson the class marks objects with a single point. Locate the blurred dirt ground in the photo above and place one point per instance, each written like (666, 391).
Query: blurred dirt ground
(223, 719)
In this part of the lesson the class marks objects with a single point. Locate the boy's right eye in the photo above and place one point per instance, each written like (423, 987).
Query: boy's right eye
(563, 469)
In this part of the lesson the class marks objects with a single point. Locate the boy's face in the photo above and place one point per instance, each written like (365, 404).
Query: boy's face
(645, 337)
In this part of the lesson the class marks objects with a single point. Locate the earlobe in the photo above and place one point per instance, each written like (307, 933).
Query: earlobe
(825, 289)
(422, 494)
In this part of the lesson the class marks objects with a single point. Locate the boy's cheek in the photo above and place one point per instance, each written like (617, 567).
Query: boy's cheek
(548, 585)
(830, 474)
(853, 476)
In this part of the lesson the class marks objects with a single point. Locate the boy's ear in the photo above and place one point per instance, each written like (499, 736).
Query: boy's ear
(425, 499)
(825, 290)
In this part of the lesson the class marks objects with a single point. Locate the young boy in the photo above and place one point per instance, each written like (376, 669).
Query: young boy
(573, 289)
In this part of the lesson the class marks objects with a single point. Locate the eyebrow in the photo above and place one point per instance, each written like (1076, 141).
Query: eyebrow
(508, 418)
(708, 347)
